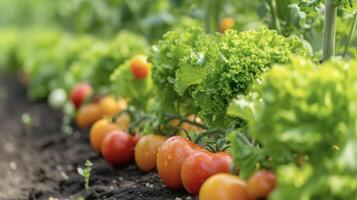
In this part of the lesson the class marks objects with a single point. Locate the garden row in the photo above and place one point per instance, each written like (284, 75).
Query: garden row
(231, 115)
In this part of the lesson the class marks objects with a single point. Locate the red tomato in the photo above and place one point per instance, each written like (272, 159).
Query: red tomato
(261, 184)
(140, 67)
(170, 157)
(226, 23)
(223, 187)
(200, 166)
(79, 93)
(118, 148)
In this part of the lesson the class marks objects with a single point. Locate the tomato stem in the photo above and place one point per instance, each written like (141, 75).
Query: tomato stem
(212, 132)
(350, 37)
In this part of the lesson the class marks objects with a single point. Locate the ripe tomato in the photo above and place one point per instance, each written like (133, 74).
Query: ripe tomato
(79, 93)
(87, 115)
(98, 132)
(146, 150)
(223, 187)
(200, 166)
(140, 67)
(110, 106)
(226, 23)
(261, 184)
(118, 148)
(170, 157)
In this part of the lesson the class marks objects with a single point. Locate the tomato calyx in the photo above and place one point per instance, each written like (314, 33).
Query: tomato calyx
(214, 139)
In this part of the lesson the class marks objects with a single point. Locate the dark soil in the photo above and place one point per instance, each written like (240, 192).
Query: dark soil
(40, 162)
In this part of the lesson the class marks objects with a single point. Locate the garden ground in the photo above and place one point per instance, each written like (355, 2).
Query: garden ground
(40, 162)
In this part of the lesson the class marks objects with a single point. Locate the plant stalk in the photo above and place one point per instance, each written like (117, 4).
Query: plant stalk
(213, 8)
(329, 38)
(275, 23)
(352, 33)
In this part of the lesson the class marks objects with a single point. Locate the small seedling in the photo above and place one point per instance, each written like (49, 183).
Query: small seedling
(85, 173)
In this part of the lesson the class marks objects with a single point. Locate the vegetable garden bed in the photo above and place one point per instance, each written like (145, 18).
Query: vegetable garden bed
(41, 162)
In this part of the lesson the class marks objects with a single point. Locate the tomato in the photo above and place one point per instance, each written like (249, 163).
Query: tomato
(87, 115)
(226, 23)
(123, 122)
(200, 166)
(110, 106)
(223, 187)
(261, 184)
(118, 148)
(190, 127)
(140, 67)
(170, 157)
(146, 150)
(79, 93)
(98, 132)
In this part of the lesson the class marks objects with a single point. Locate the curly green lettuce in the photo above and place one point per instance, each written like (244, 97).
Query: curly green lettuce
(180, 62)
(244, 57)
(304, 127)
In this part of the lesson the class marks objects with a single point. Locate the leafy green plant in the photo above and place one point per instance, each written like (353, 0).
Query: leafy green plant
(199, 73)
(308, 134)
(85, 173)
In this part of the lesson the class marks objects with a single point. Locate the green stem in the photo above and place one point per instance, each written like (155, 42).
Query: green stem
(352, 33)
(211, 132)
(275, 23)
(213, 8)
(329, 40)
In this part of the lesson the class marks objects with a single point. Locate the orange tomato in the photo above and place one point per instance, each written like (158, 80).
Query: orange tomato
(98, 132)
(87, 115)
(170, 157)
(226, 23)
(110, 106)
(223, 187)
(261, 184)
(140, 67)
(146, 150)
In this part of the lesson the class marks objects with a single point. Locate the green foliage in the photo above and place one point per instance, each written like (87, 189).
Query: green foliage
(305, 120)
(85, 173)
(124, 84)
(96, 63)
(196, 72)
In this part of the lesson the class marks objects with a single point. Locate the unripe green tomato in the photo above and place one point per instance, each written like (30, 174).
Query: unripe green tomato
(57, 98)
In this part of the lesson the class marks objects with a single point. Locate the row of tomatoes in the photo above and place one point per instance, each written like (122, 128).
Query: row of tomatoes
(181, 164)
